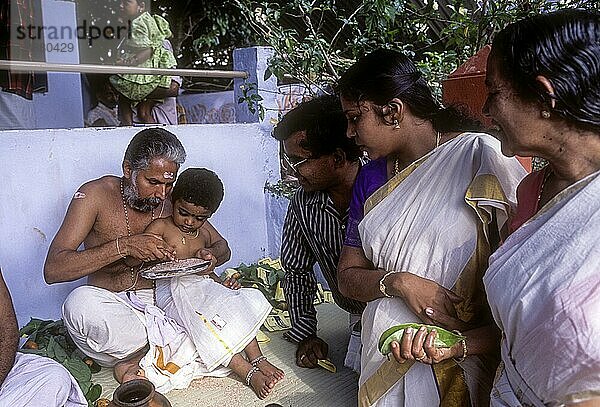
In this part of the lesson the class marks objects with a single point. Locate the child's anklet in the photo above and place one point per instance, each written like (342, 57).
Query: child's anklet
(259, 359)
(250, 374)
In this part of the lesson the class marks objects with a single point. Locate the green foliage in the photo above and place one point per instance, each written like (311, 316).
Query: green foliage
(51, 339)
(265, 275)
(251, 97)
(282, 188)
(317, 40)
(205, 31)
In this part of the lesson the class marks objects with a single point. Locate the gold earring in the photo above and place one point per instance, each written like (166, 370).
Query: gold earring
(545, 114)
(396, 124)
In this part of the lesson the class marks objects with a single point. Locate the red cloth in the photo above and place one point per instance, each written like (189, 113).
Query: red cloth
(22, 84)
(528, 193)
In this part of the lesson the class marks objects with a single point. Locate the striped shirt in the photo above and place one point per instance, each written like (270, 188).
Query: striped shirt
(313, 233)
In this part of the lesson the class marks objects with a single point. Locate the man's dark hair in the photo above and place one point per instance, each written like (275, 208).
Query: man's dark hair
(564, 47)
(325, 125)
(152, 143)
(200, 187)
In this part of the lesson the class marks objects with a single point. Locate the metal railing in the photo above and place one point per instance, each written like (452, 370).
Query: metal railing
(27, 66)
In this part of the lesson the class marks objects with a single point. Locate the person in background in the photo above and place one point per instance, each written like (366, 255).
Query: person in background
(425, 214)
(165, 108)
(543, 283)
(144, 48)
(105, 113)
(326, 164)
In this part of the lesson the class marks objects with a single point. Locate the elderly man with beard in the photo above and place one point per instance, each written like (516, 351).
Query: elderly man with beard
(108, 215)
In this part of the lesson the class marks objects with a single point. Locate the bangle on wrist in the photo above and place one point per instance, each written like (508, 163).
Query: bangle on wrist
(464, 347)
(382, 286)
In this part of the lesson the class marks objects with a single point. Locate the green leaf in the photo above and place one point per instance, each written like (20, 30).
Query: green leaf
(59, 353)
(40, 352)
(80, 371)
(85, 386)
(268, 74)
(50, 347)
(272, 278)
(95, 367)
(94, 393)
(444, 339)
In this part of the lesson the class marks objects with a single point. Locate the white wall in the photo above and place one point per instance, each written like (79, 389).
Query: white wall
(43, 168)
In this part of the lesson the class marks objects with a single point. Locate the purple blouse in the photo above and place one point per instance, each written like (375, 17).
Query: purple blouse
(370, 178)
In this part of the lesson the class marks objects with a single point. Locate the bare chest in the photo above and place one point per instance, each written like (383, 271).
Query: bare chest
(186, 246)
(115, 221)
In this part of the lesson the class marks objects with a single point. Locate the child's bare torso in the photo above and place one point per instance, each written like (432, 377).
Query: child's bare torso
(186, 245)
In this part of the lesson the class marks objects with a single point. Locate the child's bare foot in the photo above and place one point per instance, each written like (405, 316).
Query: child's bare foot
(268, 369)
(128, 370)
(261, 383)
(134, 375)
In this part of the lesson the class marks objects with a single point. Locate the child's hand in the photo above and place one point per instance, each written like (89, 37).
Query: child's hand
(206, 254)
(232, 283)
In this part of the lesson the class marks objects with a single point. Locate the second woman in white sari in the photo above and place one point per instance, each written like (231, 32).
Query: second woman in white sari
(543, 284)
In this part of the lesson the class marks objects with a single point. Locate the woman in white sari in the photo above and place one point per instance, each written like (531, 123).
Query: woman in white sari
(543, 284)
(424, 214)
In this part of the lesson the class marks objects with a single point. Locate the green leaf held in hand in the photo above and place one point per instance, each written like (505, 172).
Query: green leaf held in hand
(444, 339)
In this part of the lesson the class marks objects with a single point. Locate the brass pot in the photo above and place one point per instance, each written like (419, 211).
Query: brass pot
(138, 393)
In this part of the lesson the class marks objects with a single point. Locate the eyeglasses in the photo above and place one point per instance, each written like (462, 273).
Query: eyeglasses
(294, 165)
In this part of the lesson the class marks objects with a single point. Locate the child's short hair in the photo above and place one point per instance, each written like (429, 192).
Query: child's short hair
(200, 187)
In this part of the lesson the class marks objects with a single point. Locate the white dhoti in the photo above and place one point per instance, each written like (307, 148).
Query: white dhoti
(194, 330)
(220, 321)
(36, 381)
(104, 325)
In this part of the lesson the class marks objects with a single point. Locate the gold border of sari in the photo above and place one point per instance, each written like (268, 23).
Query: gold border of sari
(485, 187)
(392, 183)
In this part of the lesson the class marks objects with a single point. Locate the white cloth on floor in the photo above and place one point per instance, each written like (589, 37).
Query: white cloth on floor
(36, 381)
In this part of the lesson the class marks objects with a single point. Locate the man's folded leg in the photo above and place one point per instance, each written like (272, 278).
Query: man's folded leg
(103, 325)
(36, 381)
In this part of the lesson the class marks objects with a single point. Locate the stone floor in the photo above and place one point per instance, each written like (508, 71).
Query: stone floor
(301, 387)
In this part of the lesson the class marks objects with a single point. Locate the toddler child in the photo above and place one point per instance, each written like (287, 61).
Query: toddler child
(144, 48)
(222, 319)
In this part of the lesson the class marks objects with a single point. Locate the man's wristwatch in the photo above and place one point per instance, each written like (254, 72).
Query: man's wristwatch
(382, 285)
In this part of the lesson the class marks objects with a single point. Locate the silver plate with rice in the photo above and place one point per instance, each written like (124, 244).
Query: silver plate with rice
(175, 268)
